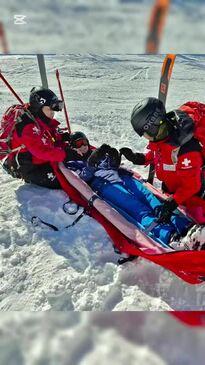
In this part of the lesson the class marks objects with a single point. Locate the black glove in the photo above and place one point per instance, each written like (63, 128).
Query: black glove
(115, 157)
(98, 154)
(105, 148)
(165, 211)
(65, 137)
(136, 158)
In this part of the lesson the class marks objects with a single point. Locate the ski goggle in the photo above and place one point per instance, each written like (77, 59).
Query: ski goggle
(57, 106)
(80, 142)
(152, 129)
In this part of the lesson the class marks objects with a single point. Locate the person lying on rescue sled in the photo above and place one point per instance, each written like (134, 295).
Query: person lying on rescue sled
(36, 139)
(176, 148)
(117, 186)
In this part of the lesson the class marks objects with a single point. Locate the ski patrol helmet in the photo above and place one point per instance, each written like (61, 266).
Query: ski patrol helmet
(148, 116)
(40, 97)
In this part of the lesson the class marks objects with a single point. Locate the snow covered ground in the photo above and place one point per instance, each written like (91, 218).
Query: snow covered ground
(111, 26)
(76, 269)
(84, 338)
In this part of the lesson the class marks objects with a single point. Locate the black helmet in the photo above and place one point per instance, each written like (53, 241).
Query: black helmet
(147, 116)
(77, 139)
(40, 97)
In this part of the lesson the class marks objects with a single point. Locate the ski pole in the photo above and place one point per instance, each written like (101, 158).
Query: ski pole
(62, 97)
(3, 39)
(10, 88)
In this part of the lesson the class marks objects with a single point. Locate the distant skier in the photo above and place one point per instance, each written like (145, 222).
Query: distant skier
(176, 149)
(118, 187)
(36, 140)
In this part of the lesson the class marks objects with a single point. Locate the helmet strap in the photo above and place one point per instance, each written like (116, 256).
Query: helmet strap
(162, 133)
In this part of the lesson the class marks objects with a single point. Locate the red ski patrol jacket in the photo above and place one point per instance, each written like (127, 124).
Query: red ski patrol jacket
(180, 168)
(40, 140)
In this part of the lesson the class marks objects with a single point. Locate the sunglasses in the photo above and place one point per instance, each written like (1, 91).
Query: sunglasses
(57, 106)
(80, 142)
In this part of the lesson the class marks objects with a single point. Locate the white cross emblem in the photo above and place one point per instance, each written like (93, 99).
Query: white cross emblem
(186, 162)
(51, 176)
(36, 130)
(44, 140)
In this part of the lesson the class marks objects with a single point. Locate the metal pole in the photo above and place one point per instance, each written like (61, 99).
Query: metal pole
(62, 97)
(42, 69)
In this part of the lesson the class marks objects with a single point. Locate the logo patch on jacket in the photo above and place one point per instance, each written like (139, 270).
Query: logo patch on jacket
(169, 167)
(44, 140)
(186, 164)
(36, 130)
(51, 176)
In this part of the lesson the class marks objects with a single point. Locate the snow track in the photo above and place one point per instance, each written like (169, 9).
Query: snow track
(112, 26)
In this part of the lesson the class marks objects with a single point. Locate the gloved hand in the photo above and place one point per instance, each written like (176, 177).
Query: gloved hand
(136, 158)
(115, 157)
(65, 137)
(165, 211)
(103, 149)
(98, 154)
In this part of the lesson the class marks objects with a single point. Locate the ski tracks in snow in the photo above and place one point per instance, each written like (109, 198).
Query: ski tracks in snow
(143, 73)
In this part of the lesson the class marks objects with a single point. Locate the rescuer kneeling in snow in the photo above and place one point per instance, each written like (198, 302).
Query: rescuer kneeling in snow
(176, 141)
(36, 140)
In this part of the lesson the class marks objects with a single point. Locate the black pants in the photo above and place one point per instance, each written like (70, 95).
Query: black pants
(41, 175)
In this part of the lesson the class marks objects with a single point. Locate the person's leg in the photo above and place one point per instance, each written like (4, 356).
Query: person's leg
(120, 197)
(42, 175)
(180, 223)
(142, 193)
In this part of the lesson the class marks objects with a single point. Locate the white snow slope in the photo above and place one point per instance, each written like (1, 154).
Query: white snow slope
(113, 26)
(75, 269)
(101, 338)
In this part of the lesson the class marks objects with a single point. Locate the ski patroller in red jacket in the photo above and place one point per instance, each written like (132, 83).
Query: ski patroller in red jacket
(180, 168)
(41, 140)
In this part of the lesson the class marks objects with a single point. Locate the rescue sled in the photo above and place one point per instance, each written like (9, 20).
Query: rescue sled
(128, 237)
